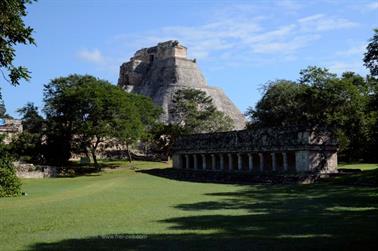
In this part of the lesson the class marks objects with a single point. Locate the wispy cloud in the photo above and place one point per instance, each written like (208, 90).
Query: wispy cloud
(289, 5)
(343, 66)
(239, 34)
(92, 56)
(320, 22)
(357, 50)
(372, 6)
(97, 58)
(248, 34)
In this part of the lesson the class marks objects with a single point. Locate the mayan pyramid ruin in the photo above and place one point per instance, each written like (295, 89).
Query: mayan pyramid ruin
(159, 71)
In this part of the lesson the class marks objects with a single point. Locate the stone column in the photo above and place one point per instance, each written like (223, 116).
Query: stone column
(274, 168)
(261, 156)
(213, 162)
(302, 161)
(250, 162)
(229, 162)
(187, 161)
(195, 161)
(179, 158)
(221, 158)
(177, 161)
(284, 156)
(204, 161)
(240, 162)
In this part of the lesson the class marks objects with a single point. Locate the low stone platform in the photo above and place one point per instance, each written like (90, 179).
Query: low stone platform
(265, 150)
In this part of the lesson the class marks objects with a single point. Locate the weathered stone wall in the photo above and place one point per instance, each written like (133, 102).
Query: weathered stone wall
(30, 171)
(270, 149)
(158, 72)
(11, 128)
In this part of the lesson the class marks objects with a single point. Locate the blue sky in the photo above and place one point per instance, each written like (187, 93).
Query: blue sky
(239, 45)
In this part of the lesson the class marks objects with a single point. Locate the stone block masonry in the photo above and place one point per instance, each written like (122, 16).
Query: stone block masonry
(11, 128)
(269, 150)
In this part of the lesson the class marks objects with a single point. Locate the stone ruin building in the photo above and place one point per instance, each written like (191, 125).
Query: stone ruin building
(269, 150)
(10, 128)
(159, 71)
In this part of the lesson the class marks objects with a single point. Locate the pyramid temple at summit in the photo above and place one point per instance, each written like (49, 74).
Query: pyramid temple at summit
(159, 71)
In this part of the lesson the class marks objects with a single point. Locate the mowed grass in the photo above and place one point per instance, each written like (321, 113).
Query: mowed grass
(362, 166)
(129, 209)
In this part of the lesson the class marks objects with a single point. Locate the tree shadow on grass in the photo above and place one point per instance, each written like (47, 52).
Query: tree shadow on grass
(365, 178)
(259, 217)
(199, 242)
(223, 177)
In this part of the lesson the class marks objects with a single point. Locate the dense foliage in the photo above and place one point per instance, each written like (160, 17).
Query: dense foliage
(10, 185)
(28, 146)
(193, 111)
(83, 111)
(321, 99)
(13, 31)
(371, 55)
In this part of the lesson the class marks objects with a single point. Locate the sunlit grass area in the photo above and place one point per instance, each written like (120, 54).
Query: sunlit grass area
(362, 166)
(131, 209)
(134, 164)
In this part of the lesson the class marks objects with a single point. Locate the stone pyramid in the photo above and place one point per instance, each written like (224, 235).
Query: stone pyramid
(159, 71)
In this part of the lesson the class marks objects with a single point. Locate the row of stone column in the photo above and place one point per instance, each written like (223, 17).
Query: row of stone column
(229, 165)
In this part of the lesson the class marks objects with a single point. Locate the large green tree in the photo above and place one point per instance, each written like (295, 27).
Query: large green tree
(319, 99)
(29, 146)
(84, 111)
(195, 112)
(192, 111)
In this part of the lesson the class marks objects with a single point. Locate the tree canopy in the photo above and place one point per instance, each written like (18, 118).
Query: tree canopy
(83, 111)
(321, 99)
(28, 146)
(192, 111)
(13, 31)
(195, 112)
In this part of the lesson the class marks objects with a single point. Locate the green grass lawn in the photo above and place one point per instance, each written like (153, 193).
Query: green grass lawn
(362, 166)
(128, 209)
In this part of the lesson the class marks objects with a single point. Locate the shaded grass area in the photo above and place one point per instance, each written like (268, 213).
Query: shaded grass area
(128, 210)
(364, 178)
(368, 175)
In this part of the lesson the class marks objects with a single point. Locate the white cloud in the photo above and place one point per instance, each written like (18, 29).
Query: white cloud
(289, 5)
(287, 47)
(320, 22)
(343, 66)
(245, 30)
(372, 6)
(92, 56)
(353, 51)
(102, 62)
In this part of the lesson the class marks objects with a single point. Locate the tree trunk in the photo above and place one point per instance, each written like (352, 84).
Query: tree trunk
(95, 160)
(87, 154)
(128, 152)
(93, 151)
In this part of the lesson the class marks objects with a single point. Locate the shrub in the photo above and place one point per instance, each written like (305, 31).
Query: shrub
(10, 184)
